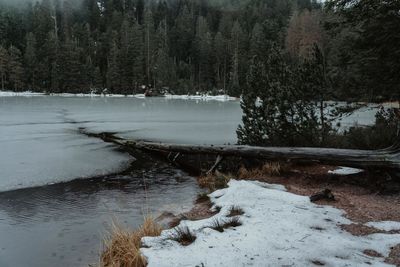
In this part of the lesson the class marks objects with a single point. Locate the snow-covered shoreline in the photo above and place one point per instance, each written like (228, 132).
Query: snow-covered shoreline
(203, 97)
(278, 229)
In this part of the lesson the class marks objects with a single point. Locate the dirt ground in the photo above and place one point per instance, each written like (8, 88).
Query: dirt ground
(364, 197)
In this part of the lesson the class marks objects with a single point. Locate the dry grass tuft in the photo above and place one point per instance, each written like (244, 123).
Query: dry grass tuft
(184, 236)
(214, 181)
(235, 211)
(233, 222)
(220, 225)
(273, 168)
(217, 225)
(122, 249)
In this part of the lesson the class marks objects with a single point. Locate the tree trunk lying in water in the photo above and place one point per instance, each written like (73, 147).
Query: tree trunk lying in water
(382, 159)
(388, 158)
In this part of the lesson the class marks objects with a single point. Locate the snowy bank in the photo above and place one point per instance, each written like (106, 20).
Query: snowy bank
(27, 94)
(385, 225)
(278, 229)
(203, 97)
(168, 96)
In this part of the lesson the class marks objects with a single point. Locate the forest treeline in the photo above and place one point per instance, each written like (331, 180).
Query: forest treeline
(189, 46)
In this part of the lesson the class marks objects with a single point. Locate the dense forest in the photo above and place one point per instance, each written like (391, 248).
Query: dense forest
(188, 46)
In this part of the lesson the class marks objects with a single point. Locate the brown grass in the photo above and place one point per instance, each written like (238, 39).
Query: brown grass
(184, 236)
(273, 168)
(122, 249)
(235, 211)
(214, 181)
(220, 224)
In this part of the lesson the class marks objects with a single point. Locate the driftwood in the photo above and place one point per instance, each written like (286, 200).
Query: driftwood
(383, 159)
(388, 158)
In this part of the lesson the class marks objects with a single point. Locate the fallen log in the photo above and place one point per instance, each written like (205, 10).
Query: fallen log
(382, 159)
(367, 159)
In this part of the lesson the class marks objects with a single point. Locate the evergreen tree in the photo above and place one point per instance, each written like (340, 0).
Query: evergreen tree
(30, 61)
(370, 51)
(164, 66)
(113, 74)
(3, 66)
(207, 45)
(71, 69)
(221, 60)
(204, 55)
(279, 102)
(149, 44)
(15, 69)
(239, 59)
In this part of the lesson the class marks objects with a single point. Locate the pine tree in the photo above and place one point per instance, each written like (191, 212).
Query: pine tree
(279, 105)
(30, 61)
(113, 74)
(239, 59)
(204, 55)
(98, 80)
(221, 60)
(72, 69)
(3, 66)
(164, 66)
(15, 69)
(136, 56)
(149, 44)
(257, 41)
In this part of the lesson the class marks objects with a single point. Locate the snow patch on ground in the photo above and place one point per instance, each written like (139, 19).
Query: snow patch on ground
(278, 229)
(385, 225)
(168, 96)
(203, 97)
(27, 94)
(345, 171)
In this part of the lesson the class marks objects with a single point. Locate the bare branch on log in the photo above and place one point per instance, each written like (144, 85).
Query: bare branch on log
(216, 164)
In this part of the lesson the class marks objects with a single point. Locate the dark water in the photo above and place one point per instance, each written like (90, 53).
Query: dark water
(64, 224)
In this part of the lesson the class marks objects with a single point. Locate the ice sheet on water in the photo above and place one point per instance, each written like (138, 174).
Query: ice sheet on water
(39, 145)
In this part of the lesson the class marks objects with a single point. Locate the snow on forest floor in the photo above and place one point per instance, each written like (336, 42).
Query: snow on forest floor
(204, 97)
(278, 229)
(345, 171)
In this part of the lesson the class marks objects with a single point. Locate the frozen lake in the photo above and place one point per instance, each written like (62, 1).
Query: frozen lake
(40, 143)
(48, 217)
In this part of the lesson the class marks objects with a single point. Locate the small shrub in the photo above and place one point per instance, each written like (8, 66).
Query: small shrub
(380, 135)
(184, 236)
(217, 225)
(233, 222)
(217, 209)
(220, 225)
(235, 211)
(213, 181)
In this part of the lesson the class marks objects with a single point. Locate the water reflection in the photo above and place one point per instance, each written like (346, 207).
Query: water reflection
(63, 224)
